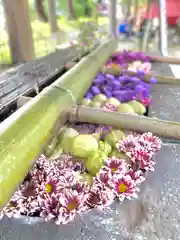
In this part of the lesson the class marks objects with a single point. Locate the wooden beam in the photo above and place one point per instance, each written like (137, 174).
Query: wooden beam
(19, 30)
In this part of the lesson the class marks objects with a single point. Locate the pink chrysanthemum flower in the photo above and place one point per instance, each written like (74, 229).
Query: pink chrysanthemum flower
(107, 197)
(125, 187)
(127, 144)
(103, 178)
(136, 175)
(93, 198)
(81, 187)
(116, 165)
(143, 158)
(146, 67)
(146, 101)
(100, 197)
(150, 142)
(51, 208)
(13, 208)
(73, 203)
(54, 185)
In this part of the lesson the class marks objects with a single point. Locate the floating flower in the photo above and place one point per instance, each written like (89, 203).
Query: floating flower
(100, 198)
(81, 187)
(93, 198)
(127, 144)
(103, 178)
(143, 158)
(152, 80)
(116, 166)
(150, 142)
(136, 175)
(10, 210)
(125, 187)
(72, 203)
(51, 186)
(51, 208)
(146, 101)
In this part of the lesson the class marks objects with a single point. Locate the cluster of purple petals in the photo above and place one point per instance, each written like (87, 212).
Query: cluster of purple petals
(125, 57)
(123, 87)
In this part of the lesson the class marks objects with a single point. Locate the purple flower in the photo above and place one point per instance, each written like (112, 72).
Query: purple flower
(140, 73)
(152, 80)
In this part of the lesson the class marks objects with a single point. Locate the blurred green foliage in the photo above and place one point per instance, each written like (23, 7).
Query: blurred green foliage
(43, 42)
(82, 8)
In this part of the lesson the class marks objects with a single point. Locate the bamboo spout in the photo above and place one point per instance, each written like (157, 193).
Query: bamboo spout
(141, 124)
(170, 60)
(159, 78)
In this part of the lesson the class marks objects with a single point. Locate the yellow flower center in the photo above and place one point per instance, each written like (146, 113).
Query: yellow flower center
(48, 188)
(72, 205)
(122, 188)
(113, 65)
(113, 169)
(11, 205)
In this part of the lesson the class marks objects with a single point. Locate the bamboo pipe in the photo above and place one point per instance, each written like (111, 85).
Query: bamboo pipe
(159, 78)
(141, 124)
(24, 134)
(170, 60)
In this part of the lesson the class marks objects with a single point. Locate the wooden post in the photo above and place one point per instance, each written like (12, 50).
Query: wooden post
(112, 18)
(135, 8)
(71, 14)
(40, 11)
(19, 30)
(163, 28)
(128, 9)
(52, 15)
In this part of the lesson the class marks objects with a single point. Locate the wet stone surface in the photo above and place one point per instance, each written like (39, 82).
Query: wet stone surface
(166, 102)
(165, 97)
